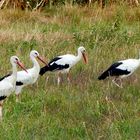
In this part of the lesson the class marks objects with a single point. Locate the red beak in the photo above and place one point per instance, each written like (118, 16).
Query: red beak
(22, 66)
(41, 60)
(85, 57)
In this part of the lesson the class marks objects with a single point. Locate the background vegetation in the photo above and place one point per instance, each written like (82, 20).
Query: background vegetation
(40, 4)
(87, 108)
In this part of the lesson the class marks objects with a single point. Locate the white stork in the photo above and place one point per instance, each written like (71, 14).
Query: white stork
(120, 70)
(63, 63)
(23, 78)
(8, 82)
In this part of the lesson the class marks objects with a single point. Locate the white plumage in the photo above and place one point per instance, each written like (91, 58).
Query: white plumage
(29, 78)
(120, 70)
(8, 82)
(24, 79)
(69, 59)
(129, 65)
(63, 63)
(6, 87)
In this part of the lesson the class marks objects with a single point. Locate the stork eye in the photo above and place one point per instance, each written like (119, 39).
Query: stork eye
(35, 53)
(16, 59)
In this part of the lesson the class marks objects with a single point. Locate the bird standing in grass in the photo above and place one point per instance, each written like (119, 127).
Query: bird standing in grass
(120, 70)
(8, 82)
(23, 78)
(63, 63)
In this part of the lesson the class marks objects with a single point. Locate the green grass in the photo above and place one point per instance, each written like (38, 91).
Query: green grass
(87, 108)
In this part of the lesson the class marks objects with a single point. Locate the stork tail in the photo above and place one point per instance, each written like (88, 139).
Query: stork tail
(43, 70)
(103, 75)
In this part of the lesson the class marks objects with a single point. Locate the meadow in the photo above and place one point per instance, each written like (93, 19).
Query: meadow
(85, 109)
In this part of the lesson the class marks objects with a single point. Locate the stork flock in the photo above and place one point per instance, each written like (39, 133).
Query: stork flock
(15, 81)
(18, 79)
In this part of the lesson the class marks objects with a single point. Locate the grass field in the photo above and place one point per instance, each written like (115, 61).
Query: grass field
(87, 109)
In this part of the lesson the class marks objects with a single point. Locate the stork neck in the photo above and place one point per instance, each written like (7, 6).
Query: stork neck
(35, 63)
(79, 56)
(14, 73)
(14, 70)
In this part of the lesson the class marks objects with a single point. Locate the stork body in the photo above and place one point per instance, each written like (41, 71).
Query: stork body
(63, 63)
(120, 70)
(8, 82)
(24, 79)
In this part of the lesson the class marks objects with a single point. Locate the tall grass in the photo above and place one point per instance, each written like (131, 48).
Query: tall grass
(86, 108)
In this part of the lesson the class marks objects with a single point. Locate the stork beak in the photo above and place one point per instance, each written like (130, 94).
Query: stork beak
(22, 66)
(85, 57)
(41, 60)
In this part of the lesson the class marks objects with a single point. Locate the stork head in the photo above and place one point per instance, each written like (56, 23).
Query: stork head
(15, 61)
(82, 50)
(35, 54)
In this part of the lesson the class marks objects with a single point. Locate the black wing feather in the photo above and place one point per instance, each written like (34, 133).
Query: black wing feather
(113, 71)
(4, 77)
(52, 66)
(54, 60)
(19, 83)
(2, 97)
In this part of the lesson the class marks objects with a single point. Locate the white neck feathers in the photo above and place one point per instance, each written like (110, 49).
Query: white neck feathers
(36, 65)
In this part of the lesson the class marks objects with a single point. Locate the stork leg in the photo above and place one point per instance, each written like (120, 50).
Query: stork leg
(120, 82)
(1, 103)
(68, 77)
(58, 79)
(46, 80)
(115, 81)
(17, 98)
(17, 92)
